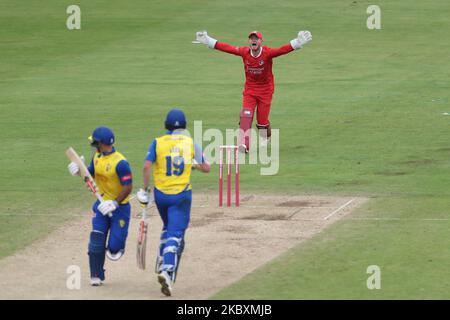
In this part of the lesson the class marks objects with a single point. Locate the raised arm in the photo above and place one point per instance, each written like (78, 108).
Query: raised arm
(202, 37)
(276, 52)
(303, 38)
(228, 48)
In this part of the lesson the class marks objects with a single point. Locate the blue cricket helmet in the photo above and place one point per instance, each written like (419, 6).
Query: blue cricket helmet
(175, 120)
(103, 135)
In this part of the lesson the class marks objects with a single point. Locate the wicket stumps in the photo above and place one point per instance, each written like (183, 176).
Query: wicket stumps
(229, 151)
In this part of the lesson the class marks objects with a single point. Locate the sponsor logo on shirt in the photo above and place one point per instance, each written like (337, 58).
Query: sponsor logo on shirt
(256, 71)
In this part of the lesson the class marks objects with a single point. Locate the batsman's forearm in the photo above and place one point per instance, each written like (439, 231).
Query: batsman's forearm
(124, 193)
(146, 178)
(146, 174)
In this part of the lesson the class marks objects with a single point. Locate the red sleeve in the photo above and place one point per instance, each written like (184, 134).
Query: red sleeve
(276, 52)
(228, 48)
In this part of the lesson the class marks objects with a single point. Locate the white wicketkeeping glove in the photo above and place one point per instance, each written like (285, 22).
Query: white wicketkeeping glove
(202, 37)
(73, 167)
(303, 38)
(143, 196)
(107, 207)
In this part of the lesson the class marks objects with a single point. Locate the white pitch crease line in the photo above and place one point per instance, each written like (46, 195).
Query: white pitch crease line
(338, 209)
(400, 219)
(266, 207)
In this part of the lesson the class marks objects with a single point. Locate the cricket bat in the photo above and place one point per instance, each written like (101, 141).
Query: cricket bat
(142, 239)
(84, 173)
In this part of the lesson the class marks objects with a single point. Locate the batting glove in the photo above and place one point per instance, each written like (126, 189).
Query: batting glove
(194, 164)
(303, 38)
(143, 196)
(107, 207)
(73, 167)
(202, 37)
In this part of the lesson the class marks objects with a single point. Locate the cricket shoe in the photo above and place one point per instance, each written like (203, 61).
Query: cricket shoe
(96, 282)
(243, 148)
(165, 280)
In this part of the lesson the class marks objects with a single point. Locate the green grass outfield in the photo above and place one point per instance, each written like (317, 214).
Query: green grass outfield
(359, 112)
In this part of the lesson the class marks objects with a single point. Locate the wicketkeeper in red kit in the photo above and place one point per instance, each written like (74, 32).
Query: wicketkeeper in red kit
(259, 84)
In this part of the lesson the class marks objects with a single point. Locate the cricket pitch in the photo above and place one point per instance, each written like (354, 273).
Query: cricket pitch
(222, 245)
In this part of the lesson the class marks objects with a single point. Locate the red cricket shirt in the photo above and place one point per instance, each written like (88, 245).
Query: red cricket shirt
(258, 70)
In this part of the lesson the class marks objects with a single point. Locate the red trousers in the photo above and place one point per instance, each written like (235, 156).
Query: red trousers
(262, 105)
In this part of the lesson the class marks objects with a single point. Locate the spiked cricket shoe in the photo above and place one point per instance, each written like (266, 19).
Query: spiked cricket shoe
(165, 281)
(96, 282)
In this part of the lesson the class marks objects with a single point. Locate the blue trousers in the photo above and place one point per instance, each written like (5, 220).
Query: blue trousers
(117, 226)
(175, 212)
